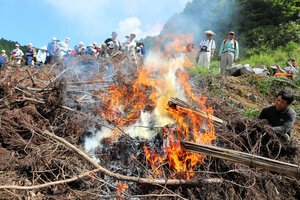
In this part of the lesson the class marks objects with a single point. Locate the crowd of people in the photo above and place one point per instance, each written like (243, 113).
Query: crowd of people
(60, 49)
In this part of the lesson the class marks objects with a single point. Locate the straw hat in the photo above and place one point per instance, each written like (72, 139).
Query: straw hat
(209, 32)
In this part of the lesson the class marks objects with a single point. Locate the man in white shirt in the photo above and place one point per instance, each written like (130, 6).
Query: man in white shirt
(207, 49)
(17, 55)
(63, 47)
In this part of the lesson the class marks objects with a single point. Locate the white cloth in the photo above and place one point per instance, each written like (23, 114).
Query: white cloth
(204, 59)
(210, 44)
(41, 56)
(227, 60)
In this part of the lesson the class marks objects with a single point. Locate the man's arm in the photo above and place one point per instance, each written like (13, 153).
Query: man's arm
(221, 50)
(236, 53)
(288, 62)
(287, 125)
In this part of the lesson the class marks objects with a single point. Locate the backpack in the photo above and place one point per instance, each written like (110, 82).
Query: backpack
(234, 42)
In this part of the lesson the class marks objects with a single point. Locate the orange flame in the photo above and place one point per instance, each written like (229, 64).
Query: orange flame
(124, 103)
(120, 189)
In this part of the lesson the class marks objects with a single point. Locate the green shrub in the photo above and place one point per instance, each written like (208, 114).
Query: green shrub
(252, 112)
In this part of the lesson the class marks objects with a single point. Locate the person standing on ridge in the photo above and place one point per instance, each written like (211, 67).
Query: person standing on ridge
(51, 51)
(207, 49)
(30, 53)
(229, 52)
(63, 47)
(3, 59)
(16, 55)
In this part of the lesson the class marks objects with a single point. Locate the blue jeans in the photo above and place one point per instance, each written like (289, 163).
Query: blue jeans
(1, 65)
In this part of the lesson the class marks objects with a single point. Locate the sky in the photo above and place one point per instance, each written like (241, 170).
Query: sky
(37, 21)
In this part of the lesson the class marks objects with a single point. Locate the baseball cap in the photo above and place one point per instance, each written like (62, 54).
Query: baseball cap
(3, 51)
(17, 45)
(114, 33)
(80, 42)
(231, 32)
(54, 38)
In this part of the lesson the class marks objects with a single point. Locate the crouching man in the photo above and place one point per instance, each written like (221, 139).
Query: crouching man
(281, 116)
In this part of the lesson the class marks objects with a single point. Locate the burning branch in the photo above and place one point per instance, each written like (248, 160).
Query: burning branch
(175, 102)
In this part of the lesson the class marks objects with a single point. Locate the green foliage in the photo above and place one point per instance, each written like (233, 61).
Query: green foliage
(252, 112)
(270, 56)
(270, 23)
(265, 86)
(9, 45)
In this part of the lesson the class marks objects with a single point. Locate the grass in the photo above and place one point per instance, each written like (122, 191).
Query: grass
(252, 112)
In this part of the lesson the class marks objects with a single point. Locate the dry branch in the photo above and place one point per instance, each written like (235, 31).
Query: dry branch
(34, 187)
(185, 106)
(244, 158)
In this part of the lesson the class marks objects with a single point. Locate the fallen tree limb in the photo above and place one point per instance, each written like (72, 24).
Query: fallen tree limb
(175, 102)
(34, 187)
(129, 178)
(30, 74)
(244, 158)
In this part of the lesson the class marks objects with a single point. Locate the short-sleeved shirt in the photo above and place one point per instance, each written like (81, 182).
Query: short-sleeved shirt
(210, 44)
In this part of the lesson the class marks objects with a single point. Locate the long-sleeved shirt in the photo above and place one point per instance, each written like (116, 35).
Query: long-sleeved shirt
(281, 121)
(51, 48)
(229, 46)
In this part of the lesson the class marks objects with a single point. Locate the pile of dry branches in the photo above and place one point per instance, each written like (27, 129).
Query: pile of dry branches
(42, 139)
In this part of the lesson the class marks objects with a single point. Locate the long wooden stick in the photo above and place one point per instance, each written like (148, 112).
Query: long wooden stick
(186, 106)
(244, 158)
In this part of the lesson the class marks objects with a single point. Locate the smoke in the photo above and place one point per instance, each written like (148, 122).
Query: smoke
(200, 15)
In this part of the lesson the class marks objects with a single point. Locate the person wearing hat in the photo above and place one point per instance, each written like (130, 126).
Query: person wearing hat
(111, 45)
(30, 54)
(16, 55)
(229, 52)
(78, 48)
(63, 47)
(290, 71)
(95, 46)
(3, 59)
(207, 49)
(41, 56)
(83, 51)
(89, 49)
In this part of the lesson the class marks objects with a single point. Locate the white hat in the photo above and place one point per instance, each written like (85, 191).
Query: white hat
(209, 32)
(80, 42)
(68, 38)
(17, 45)
(44, 48)
(83, 48)
(3, 51)
(94, 50)
(95, 43)
(54, 38)
(69, 49)
(30, 44)
(90, 45)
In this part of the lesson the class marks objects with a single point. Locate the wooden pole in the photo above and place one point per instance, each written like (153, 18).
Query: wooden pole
(244, 158)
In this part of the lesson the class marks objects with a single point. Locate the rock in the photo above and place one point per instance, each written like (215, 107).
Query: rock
(246, 70)
(259, 65)
(261, 71)
(234, 71)
(239, 70)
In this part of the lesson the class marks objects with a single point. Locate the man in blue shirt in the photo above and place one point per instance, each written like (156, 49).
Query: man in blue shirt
(51, 51)
(229, 52)
(3, 59)
(30, 54)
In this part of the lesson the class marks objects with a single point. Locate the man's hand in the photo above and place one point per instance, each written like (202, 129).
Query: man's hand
(235, 59)
(219, 58)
